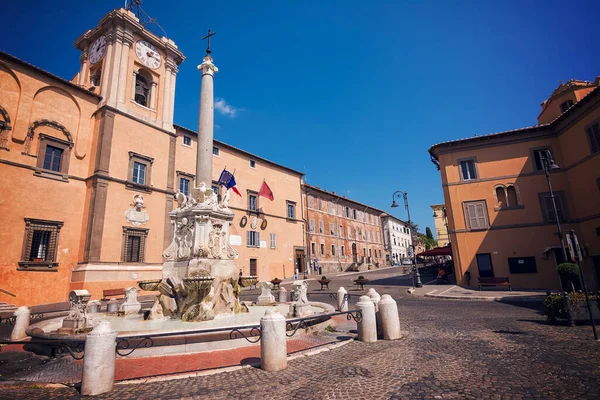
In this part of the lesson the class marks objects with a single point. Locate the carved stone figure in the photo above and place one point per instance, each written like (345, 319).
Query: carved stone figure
(226, 198)
(136, 215)
(265, 298)
(131, 304)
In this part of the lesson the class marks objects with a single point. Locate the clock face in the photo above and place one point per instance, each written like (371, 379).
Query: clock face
(147, 54)
(98, 49)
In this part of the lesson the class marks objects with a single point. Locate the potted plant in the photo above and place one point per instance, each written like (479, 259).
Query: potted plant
(558, 307)
(276, 281)
(569, 273)
(361, 281)
(324, 282)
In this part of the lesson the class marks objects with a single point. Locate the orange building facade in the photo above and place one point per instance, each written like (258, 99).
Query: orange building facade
(342, 234)
(89, 169)
(500, 215)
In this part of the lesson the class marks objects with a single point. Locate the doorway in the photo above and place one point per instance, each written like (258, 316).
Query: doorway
(484, 263)
(300, 265)
(354, 253)
(253, 267)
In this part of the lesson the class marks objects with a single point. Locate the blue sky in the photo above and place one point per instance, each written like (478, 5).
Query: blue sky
(351, 93)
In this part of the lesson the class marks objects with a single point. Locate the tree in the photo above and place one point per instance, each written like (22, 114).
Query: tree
(414, 227)
(428, 233)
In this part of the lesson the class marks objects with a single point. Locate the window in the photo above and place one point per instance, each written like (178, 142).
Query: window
(356, 233)
(313, 248)
(252, 202)
(321, 228)
(273, 240)
(369, 236)
(593, 133)
(343, 251)
(312, 225)
(476, 214)
(342, 228)
(134, 244)
(331, 229)
(330, 207)
(139, 173)
(539, 156)
(379, 253)
(291, 210)
(339, 210)
(467, 170)
(40, 245)
(142, 89)
(354, 214)
(253, 239)
(370, 253)
(187, 141)
(548, 210)
(311, 202)
(500, 197)
(52, 158)
(521, 265)
(319, 203)
(184, 186)
(322, 249)
(332, 250)
(347, 212)
(253, 267)
(566, 105)
(216, 151)
(252, 164)
(139, 169)
(512, 198)
(349, 233)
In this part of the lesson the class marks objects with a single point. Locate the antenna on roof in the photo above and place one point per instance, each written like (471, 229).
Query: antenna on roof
(135, 6)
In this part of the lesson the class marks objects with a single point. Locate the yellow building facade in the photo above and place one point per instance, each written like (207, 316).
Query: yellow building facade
(497, 200)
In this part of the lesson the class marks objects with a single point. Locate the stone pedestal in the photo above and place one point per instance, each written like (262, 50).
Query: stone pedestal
(131, 304)
(273, 346)
(266, 298)
(367, 326)
(99, 361)
(21, 324)
(390, 321)
(112, 306)
(283, 295)
(94, 306)
(342, 300)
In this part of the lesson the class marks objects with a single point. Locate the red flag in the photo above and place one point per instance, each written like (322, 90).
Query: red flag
(236, 191)
(265, 191)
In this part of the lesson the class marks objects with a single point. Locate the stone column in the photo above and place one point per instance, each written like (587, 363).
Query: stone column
(390, 321)
(153, 95)
(83, 59)
(273, 346)
(125, 49)
(166, 92)
(204, 155)
(367, 326)
(342, 300)
(133, 85)
(21, 324)
(99, 361)
(172, 94)
(115, 71)
(107, 68)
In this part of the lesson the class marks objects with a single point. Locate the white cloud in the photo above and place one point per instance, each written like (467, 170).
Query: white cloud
(227, 109)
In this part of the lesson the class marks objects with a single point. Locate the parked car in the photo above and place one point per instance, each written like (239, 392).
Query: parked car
(407, 261)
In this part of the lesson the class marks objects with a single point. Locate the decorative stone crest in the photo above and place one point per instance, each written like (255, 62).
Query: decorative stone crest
(136, 215)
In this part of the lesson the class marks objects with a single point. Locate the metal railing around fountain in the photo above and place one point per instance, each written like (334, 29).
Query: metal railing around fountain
(126, 345)
(33, 316)
(74, 348)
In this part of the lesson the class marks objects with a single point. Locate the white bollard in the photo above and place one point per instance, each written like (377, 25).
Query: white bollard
(21, 324)
(342, 300)
(390, 321)
(375, 297)
(283, 295)
(273, 345)
(99, 361)
(367, 326)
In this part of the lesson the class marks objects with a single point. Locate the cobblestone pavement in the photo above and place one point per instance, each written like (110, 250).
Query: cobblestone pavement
(453, 349)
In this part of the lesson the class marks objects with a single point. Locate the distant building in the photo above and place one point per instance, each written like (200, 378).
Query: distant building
(500, 211)
(342, 234)
(441, 224)
(397, 241)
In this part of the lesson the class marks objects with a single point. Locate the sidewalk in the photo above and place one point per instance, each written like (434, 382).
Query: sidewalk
(314, 277)
(455, 292)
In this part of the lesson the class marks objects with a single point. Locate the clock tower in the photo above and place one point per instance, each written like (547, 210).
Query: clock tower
(130, 67)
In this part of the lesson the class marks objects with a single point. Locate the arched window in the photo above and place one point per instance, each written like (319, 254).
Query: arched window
(500, 197)
(511, 196)
(142, 88)
(566, 105)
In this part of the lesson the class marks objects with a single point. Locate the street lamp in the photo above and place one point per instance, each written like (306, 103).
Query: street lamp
(416, 275)
(550, 165)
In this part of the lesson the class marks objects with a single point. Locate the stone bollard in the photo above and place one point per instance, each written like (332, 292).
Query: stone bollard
(94, 306)
(283, 295)
(273, 345)
(99, 361)
(342, 300)
(388, 315)
(112, 306)
(375, 297)
(21, 324)
(367, 327)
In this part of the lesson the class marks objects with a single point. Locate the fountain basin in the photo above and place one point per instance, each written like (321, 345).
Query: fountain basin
(177, 336)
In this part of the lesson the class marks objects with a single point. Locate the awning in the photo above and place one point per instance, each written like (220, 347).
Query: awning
(438, 251)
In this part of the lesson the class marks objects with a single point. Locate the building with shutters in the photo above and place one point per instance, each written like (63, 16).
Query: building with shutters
(343, 234)
(89, 168)
(500, 216)
(397, 239)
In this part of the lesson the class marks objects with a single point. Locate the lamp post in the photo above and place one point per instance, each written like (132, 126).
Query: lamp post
(416, 276)
(550, 165)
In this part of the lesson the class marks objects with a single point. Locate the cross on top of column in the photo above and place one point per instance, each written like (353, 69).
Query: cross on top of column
(207, 37)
